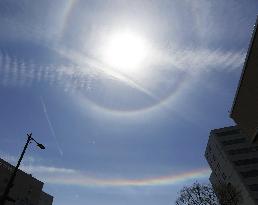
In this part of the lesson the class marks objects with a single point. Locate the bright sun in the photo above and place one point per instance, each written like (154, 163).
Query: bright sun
(125, 51)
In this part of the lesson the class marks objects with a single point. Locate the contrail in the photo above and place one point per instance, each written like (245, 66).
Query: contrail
(87, 61)
(51, 126)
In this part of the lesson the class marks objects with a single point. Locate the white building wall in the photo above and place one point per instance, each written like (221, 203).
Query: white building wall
(222, 153)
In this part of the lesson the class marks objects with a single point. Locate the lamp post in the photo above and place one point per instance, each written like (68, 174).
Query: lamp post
(11, 180)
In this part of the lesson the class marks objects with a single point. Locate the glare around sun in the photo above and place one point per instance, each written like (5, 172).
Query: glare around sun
(125, 51)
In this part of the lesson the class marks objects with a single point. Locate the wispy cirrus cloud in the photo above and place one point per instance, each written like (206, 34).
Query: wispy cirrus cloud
(202, 59)
(20, 72)
(73, 177)
(81, 74)
(47, 170)
(66, 176)
(84, 75)
(43, 28)
(13, 159)
(29, 165)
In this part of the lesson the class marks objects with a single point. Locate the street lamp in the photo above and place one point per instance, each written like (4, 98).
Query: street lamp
(10, 182)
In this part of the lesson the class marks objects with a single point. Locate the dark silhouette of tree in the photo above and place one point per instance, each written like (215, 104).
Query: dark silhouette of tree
(204, 194)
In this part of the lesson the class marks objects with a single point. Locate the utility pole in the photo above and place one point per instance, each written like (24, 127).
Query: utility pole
(5, 196)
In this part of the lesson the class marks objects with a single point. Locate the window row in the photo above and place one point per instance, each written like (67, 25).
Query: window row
(253, 187)
(251, 173)
(234, 141)
(246, 161)
(243, 150)
(229, 132)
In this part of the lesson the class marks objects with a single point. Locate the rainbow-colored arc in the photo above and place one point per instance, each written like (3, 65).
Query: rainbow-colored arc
(81, 180)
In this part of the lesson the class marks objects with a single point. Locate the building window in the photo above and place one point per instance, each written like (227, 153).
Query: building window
(243, 150)
(246, 161)
(234, 141)
(253, 187)
(251, 173)
(229, 132)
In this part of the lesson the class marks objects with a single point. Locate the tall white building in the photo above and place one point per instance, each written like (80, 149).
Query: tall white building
(233, 160)
(26, 190)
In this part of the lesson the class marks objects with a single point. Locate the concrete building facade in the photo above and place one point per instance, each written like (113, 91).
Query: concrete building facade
(233, 160)
(26, 190)
(244, 109)
(45, 199)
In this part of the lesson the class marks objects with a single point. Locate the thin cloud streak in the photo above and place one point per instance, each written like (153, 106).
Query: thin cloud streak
(71, 177)
(14, 159)
(82, 180)
(84, 61)
(9, 158)
(51, 126)
(199, 60)
(80, 74)
(47, 170)
(19, 72)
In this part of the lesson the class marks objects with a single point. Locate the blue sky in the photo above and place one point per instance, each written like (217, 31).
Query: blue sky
(118, 133)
